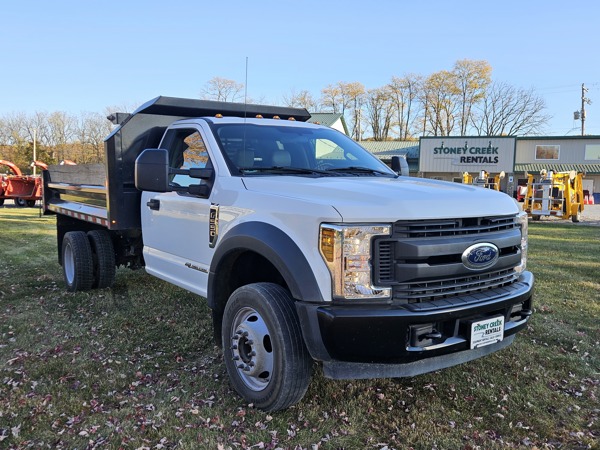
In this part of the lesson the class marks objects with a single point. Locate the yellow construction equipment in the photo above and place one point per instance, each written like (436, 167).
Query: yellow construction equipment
(557, 194)
(484, 180)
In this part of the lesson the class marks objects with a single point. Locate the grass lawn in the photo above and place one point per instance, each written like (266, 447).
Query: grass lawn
(135, 366)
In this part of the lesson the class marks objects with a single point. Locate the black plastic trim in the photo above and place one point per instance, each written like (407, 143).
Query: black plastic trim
(278, 248)
(346, 336)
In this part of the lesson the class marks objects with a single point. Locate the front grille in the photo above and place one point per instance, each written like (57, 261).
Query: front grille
(428, 291)
(421, 261)
(452, 227)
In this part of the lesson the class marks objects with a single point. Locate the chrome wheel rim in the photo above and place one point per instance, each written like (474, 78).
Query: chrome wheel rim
(251, 349)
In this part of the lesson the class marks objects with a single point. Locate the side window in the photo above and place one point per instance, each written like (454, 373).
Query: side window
(186, 149)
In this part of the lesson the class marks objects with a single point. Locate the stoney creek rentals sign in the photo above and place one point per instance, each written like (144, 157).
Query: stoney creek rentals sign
(470, 155)
(448, 154)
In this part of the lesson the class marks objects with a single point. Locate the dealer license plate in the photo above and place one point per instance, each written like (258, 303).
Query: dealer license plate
(487, 332)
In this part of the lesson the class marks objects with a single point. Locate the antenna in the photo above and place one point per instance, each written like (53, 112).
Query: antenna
(245, 108)
(246, 89)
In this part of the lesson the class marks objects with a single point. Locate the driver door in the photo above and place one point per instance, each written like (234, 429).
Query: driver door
(175, 225)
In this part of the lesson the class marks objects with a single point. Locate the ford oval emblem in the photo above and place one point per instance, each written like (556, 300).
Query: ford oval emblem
(480, 256)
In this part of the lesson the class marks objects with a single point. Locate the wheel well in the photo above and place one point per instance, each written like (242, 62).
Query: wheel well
(239, 268)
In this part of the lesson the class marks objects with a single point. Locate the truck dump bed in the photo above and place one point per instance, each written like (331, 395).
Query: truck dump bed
(106, 195)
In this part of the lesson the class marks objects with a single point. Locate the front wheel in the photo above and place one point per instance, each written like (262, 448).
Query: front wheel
(266, 359)
(20, 202)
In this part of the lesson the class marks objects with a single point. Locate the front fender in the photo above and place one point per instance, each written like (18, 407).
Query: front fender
(274, 245)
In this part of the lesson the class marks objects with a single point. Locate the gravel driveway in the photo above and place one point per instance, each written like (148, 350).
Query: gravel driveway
(589, 216)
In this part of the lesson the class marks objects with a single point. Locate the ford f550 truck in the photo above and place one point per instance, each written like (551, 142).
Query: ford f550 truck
(306, 247)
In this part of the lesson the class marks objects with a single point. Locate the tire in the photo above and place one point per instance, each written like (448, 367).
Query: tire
(103, 256)
(266, 359)
(77, 262)
(1, 201)
(20, 202)
(30, 203)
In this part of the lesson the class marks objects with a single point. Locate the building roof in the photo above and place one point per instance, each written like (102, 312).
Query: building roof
(328, 119)
(557, 138)
(387, 149)
(536, 167)
(384, 150)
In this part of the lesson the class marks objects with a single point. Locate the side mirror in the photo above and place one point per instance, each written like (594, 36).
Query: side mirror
(400, 166)
(152, 170)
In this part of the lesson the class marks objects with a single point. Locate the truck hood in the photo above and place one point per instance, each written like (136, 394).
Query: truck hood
(369, 199)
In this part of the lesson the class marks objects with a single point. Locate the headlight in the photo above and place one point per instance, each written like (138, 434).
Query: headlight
(523, 222)
(347, 253)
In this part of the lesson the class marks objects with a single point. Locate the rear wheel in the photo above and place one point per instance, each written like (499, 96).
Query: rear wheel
(1, 201)
(30, 203)
(266, 359)
(77, 262)
(103, 254)
(20, 202)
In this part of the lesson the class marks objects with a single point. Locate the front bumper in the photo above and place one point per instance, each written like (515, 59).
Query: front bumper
(377, 341)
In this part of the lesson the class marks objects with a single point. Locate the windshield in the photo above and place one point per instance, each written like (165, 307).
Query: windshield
(290, 150)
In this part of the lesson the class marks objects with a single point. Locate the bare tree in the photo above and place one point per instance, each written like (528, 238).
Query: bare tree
(302, 99)
(62, 128)
(354, 95)
(507, 110)
(331, 99)
(379, 112)
(404, 93)
(91, 130)
(15, 132)
(439, 95)
(345, 97)
(472, 79)
(222, 90)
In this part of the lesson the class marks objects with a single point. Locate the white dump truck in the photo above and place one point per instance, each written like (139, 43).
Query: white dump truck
(305, 246)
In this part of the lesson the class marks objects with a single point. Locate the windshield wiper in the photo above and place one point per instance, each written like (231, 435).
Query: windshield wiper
(280, 170)
(361, 170)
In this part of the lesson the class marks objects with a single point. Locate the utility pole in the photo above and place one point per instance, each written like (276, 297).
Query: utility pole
(584, 100)
(34, 149)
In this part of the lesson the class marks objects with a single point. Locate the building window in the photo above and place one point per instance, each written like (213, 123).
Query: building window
(551, 152)
(592, 152)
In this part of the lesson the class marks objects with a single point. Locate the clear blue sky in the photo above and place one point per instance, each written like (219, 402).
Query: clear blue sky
(84, 55)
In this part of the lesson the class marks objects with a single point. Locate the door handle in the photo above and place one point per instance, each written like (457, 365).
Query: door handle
(153, 204)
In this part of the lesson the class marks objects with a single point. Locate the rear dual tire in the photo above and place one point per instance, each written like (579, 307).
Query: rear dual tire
(88, 260)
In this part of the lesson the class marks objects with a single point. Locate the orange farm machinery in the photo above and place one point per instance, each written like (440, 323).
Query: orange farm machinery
(24, 190)
(557, 194)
